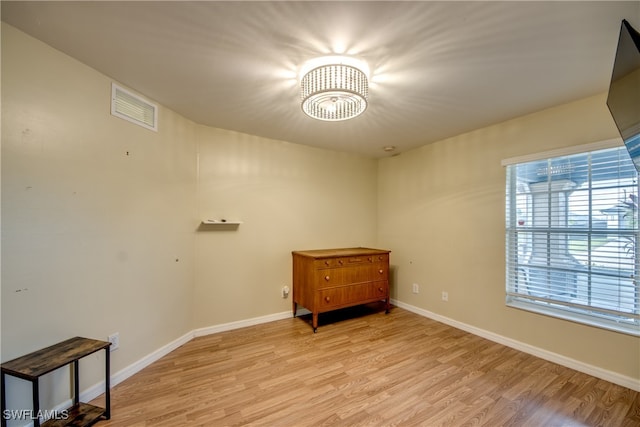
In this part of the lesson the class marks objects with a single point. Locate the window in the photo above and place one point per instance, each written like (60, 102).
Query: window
(571, 238)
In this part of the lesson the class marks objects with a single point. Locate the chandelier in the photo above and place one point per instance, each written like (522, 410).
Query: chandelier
(334, 88)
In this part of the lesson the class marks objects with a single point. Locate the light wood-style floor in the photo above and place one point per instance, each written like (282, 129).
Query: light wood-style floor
(363, 367)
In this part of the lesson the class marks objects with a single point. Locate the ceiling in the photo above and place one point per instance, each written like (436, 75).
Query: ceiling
(438, 69)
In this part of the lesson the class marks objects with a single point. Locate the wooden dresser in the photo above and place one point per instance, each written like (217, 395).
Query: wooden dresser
(329, 279)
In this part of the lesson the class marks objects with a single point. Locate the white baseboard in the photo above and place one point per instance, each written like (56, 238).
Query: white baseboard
(241, 324)
(568, 362)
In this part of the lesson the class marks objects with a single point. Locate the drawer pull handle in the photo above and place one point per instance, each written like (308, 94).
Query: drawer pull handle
(381, 290)
(327, 278)
(340, 261)
(380, 271)
(327, 299)
(326, 263)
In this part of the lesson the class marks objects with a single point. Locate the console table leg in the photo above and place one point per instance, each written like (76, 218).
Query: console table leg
(3, 398)
(107, 384)
(76, 383)
(35, 389)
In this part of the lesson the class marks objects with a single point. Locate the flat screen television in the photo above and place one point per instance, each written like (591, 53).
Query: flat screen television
(623, 99)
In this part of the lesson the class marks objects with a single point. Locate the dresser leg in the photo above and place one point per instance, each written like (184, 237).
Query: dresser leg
(295, 308)
(315, 321)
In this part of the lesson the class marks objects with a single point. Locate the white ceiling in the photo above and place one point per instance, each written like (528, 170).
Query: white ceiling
(438, 69)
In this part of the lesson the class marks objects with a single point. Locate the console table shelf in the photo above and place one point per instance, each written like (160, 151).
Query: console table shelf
(32, 366)
(82, 414)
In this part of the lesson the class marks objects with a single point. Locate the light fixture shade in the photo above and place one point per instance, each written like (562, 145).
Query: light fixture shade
(334, 92)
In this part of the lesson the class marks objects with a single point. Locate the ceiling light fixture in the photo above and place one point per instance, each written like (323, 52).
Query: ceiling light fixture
(334, 88)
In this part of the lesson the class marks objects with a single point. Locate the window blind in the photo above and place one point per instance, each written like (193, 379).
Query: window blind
(571, 234)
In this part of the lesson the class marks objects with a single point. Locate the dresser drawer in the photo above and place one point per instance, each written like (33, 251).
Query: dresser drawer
(347, 261)
(348, 295)
(379, 289)
(325, 263)
(380, 259)
(380, 272)
(329, 277)
(344, 295)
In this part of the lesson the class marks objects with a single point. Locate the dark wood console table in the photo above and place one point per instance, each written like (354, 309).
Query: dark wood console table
(32, 366)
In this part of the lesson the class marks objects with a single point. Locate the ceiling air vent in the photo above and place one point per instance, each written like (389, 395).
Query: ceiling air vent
(133, 108)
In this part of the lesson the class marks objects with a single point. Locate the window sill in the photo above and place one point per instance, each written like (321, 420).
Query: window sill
(572, 316)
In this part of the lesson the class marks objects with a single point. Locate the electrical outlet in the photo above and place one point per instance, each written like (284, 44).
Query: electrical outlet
(285, 291)
(114, 339)
(445, 296)
(416, 288)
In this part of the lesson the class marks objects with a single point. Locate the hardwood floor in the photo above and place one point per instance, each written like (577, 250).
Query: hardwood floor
(363, 367)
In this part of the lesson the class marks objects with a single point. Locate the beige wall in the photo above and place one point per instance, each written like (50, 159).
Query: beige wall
(289, 197)
(441, 211)
(94, 241)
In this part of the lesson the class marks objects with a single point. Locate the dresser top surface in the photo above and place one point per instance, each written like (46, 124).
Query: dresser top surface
(330, 253)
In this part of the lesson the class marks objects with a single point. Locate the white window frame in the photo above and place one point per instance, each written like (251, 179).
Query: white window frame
(576, 311)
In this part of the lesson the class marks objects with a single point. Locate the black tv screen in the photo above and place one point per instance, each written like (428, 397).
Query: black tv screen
(624, 90)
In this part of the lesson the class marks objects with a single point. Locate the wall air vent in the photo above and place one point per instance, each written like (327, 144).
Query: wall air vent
(133, 108)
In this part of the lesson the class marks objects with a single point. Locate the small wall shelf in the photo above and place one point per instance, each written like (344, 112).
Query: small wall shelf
(217, 224)
(220, 222)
